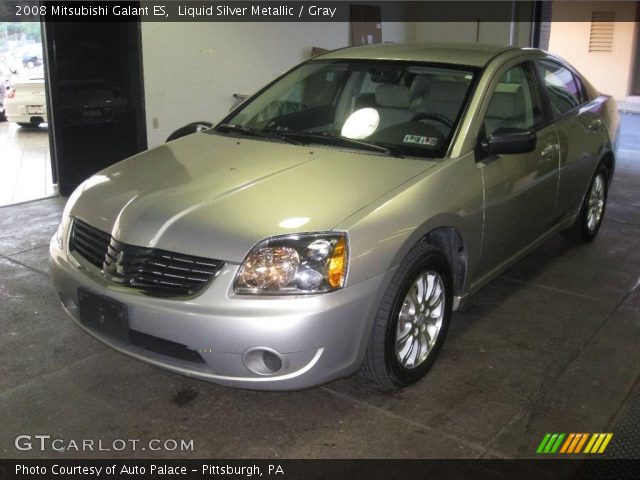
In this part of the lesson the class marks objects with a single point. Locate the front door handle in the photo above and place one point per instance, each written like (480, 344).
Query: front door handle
(549, 149)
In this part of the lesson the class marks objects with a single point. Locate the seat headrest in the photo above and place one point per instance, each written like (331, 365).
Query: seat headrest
(420, 86)
(506, 102)
(447, 91)
(392, 96)
(502, 106)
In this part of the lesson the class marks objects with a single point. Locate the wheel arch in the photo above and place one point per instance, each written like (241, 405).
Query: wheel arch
(450, 242)
(448, 239)
(609, 161)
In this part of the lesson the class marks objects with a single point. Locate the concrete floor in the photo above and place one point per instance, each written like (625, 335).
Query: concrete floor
(551, 346)
(25, 163)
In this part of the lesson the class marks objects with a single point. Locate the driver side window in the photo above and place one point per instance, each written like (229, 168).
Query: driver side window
(514, 103)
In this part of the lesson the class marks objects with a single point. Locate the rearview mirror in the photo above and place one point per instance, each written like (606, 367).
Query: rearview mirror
(505, 141)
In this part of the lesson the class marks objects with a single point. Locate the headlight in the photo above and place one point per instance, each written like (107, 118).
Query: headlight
(295, 264)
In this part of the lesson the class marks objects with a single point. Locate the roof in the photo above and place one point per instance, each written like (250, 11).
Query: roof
(470, 54)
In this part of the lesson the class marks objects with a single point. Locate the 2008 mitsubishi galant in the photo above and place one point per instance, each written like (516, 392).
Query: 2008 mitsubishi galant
(333, 221)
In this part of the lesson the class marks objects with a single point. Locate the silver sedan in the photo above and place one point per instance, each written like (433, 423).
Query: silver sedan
(333, 221)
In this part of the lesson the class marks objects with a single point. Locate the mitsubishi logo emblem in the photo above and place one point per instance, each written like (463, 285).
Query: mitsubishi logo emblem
(119, 266)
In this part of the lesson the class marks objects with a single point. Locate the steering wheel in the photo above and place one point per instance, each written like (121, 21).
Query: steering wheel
(432, 116)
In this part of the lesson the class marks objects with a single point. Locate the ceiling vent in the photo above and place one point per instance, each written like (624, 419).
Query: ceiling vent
(601, 34)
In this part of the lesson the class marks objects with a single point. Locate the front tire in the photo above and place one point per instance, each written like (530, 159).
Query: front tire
(593, 207)
(412, 321)
(28, 125)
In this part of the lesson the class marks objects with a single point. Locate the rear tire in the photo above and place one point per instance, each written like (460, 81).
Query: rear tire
(412, 321)
(589, 220)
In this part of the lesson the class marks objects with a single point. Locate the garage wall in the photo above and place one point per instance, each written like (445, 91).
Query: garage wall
(483, 32)
(610, 72)
(192, 69)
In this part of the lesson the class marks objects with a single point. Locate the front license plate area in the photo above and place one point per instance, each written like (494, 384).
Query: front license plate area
(92, 113)
(104, 315)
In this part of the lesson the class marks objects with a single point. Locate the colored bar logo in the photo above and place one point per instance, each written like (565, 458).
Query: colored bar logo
(574, 443)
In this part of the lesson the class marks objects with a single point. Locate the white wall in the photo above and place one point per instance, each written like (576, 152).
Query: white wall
(497, 33)
(481, 31)
(192, 69)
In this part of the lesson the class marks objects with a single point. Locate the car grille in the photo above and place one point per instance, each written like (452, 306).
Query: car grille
(151, 270)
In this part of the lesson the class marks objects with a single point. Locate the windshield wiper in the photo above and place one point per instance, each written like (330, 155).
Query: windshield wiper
(293, 136)
(338, 139)
(253, 132)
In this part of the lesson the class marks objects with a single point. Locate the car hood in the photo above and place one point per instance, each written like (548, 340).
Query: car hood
(216, 196)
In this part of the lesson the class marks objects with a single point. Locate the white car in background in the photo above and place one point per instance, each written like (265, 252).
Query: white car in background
(25, 102)
(6, 74)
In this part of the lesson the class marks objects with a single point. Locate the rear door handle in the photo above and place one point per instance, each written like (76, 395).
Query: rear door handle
(595, 125)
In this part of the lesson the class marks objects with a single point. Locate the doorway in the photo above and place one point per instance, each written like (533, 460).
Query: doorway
(73, 98)
(635, 67)
(96, 97)
(25, 158)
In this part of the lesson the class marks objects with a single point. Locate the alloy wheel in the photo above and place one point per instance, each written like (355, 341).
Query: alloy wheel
(595, 204)
(420, 319)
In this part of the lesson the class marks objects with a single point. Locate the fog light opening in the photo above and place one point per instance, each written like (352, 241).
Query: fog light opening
(263, 361)
(69, 303)
(271, 361)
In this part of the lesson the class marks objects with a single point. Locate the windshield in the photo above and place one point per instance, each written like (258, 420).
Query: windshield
(406, 108)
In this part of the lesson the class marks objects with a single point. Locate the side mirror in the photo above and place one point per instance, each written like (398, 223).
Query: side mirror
(506, 141)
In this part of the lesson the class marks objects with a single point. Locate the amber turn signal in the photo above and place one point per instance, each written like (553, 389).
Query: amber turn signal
(338, 265)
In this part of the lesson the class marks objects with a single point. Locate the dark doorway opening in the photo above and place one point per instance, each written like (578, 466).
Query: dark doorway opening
(635, 72)
(366, 24)
(96, 96)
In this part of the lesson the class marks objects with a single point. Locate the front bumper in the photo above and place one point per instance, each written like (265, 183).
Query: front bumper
(318, 338)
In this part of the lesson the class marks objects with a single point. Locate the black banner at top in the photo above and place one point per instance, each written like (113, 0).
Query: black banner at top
(289, 11)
